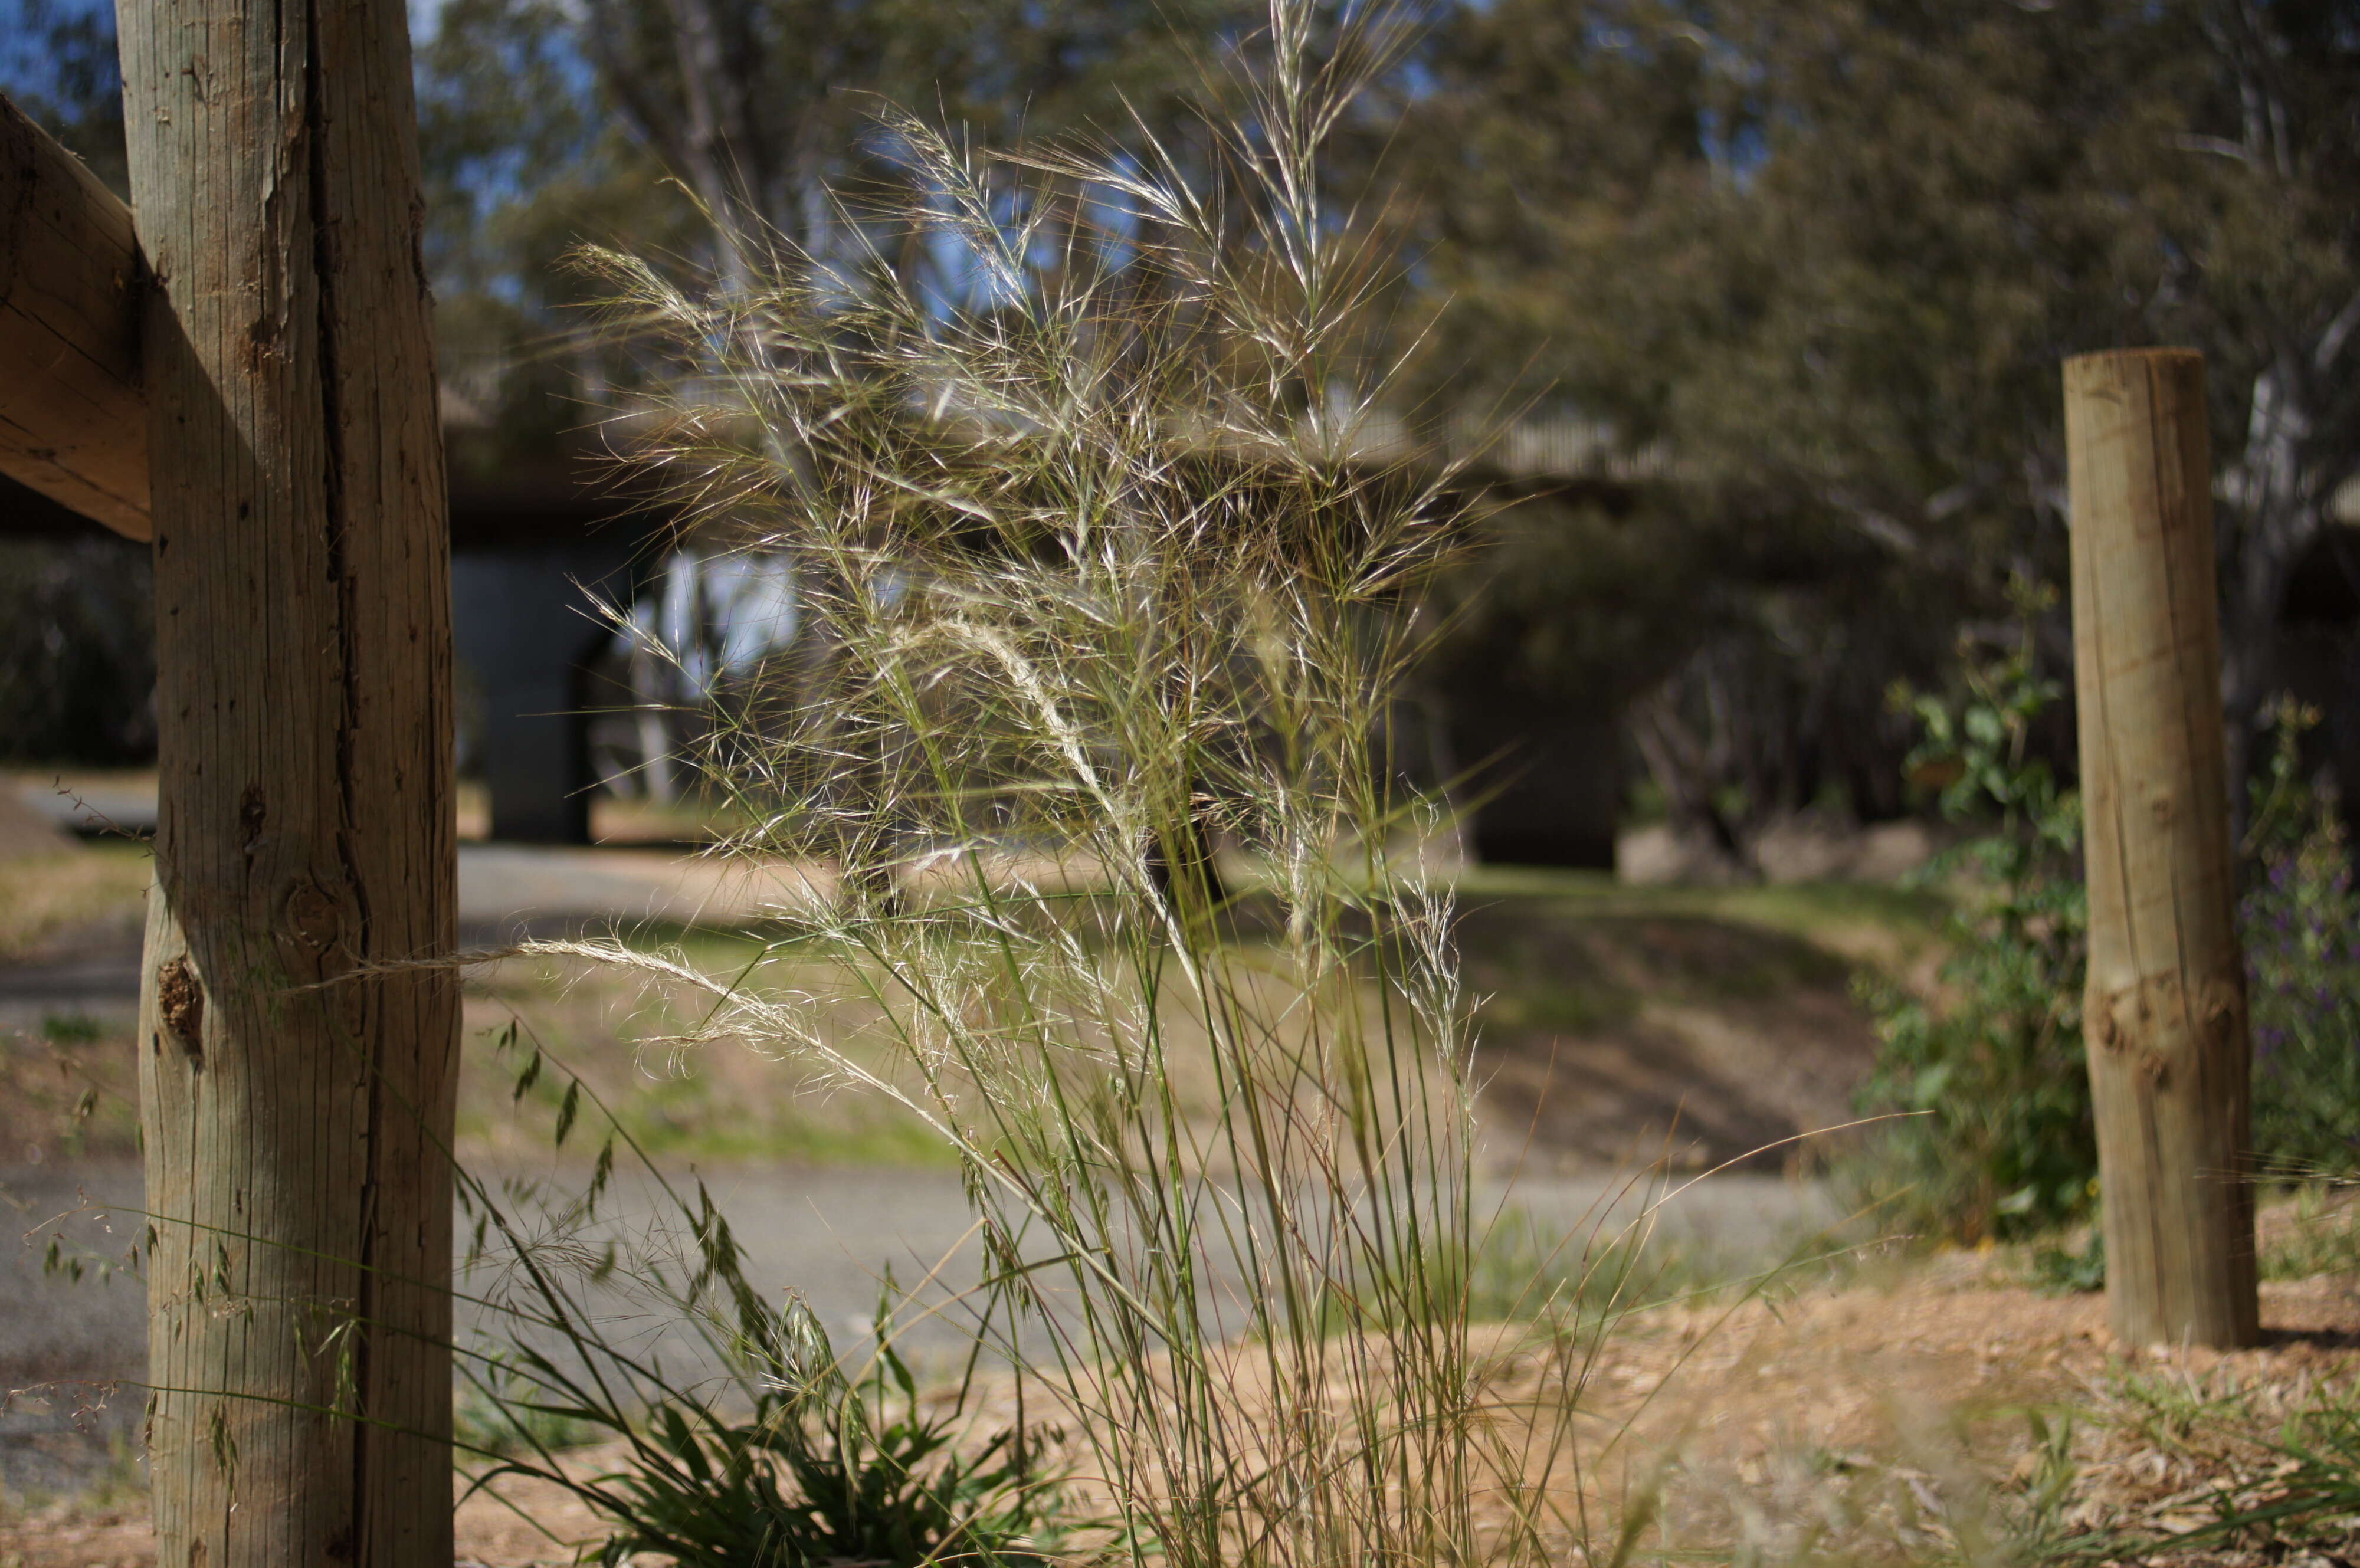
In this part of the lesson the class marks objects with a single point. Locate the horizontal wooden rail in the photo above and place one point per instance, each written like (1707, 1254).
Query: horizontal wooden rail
(74, 419)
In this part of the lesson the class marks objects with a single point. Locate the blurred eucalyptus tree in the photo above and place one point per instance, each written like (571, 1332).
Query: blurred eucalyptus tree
(726, 136)
(1830, 254)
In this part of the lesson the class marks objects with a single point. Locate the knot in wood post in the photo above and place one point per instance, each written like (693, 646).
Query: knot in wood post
(181, 1009)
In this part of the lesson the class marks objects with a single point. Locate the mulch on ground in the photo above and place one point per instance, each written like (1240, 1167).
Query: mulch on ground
(1878, 1421)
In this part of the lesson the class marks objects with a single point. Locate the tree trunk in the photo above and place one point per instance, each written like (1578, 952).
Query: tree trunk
(2165, 1009)
(727, 155)
(297, 1113)
(2277, 507)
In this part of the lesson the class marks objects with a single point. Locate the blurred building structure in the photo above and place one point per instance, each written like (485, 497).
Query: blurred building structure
(587, 628)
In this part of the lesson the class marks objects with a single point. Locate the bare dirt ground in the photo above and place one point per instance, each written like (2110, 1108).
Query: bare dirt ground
(1877, 1422)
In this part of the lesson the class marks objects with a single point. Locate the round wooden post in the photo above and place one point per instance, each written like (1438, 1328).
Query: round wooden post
(2164, 1010)
(297, 1113)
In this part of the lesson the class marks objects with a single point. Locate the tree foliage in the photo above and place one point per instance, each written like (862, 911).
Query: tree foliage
(719, 134)
(1829, 256)
(1826, 257)
(56, 64)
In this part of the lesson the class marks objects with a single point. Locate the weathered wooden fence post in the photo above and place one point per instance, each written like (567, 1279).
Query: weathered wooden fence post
(297, 1115)
(73, 423)
(2164, 1010)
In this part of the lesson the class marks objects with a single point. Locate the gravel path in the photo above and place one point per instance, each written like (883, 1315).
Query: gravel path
(829, 1233)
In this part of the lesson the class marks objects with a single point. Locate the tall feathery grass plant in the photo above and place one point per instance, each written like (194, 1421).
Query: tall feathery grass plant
(1107, 574)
